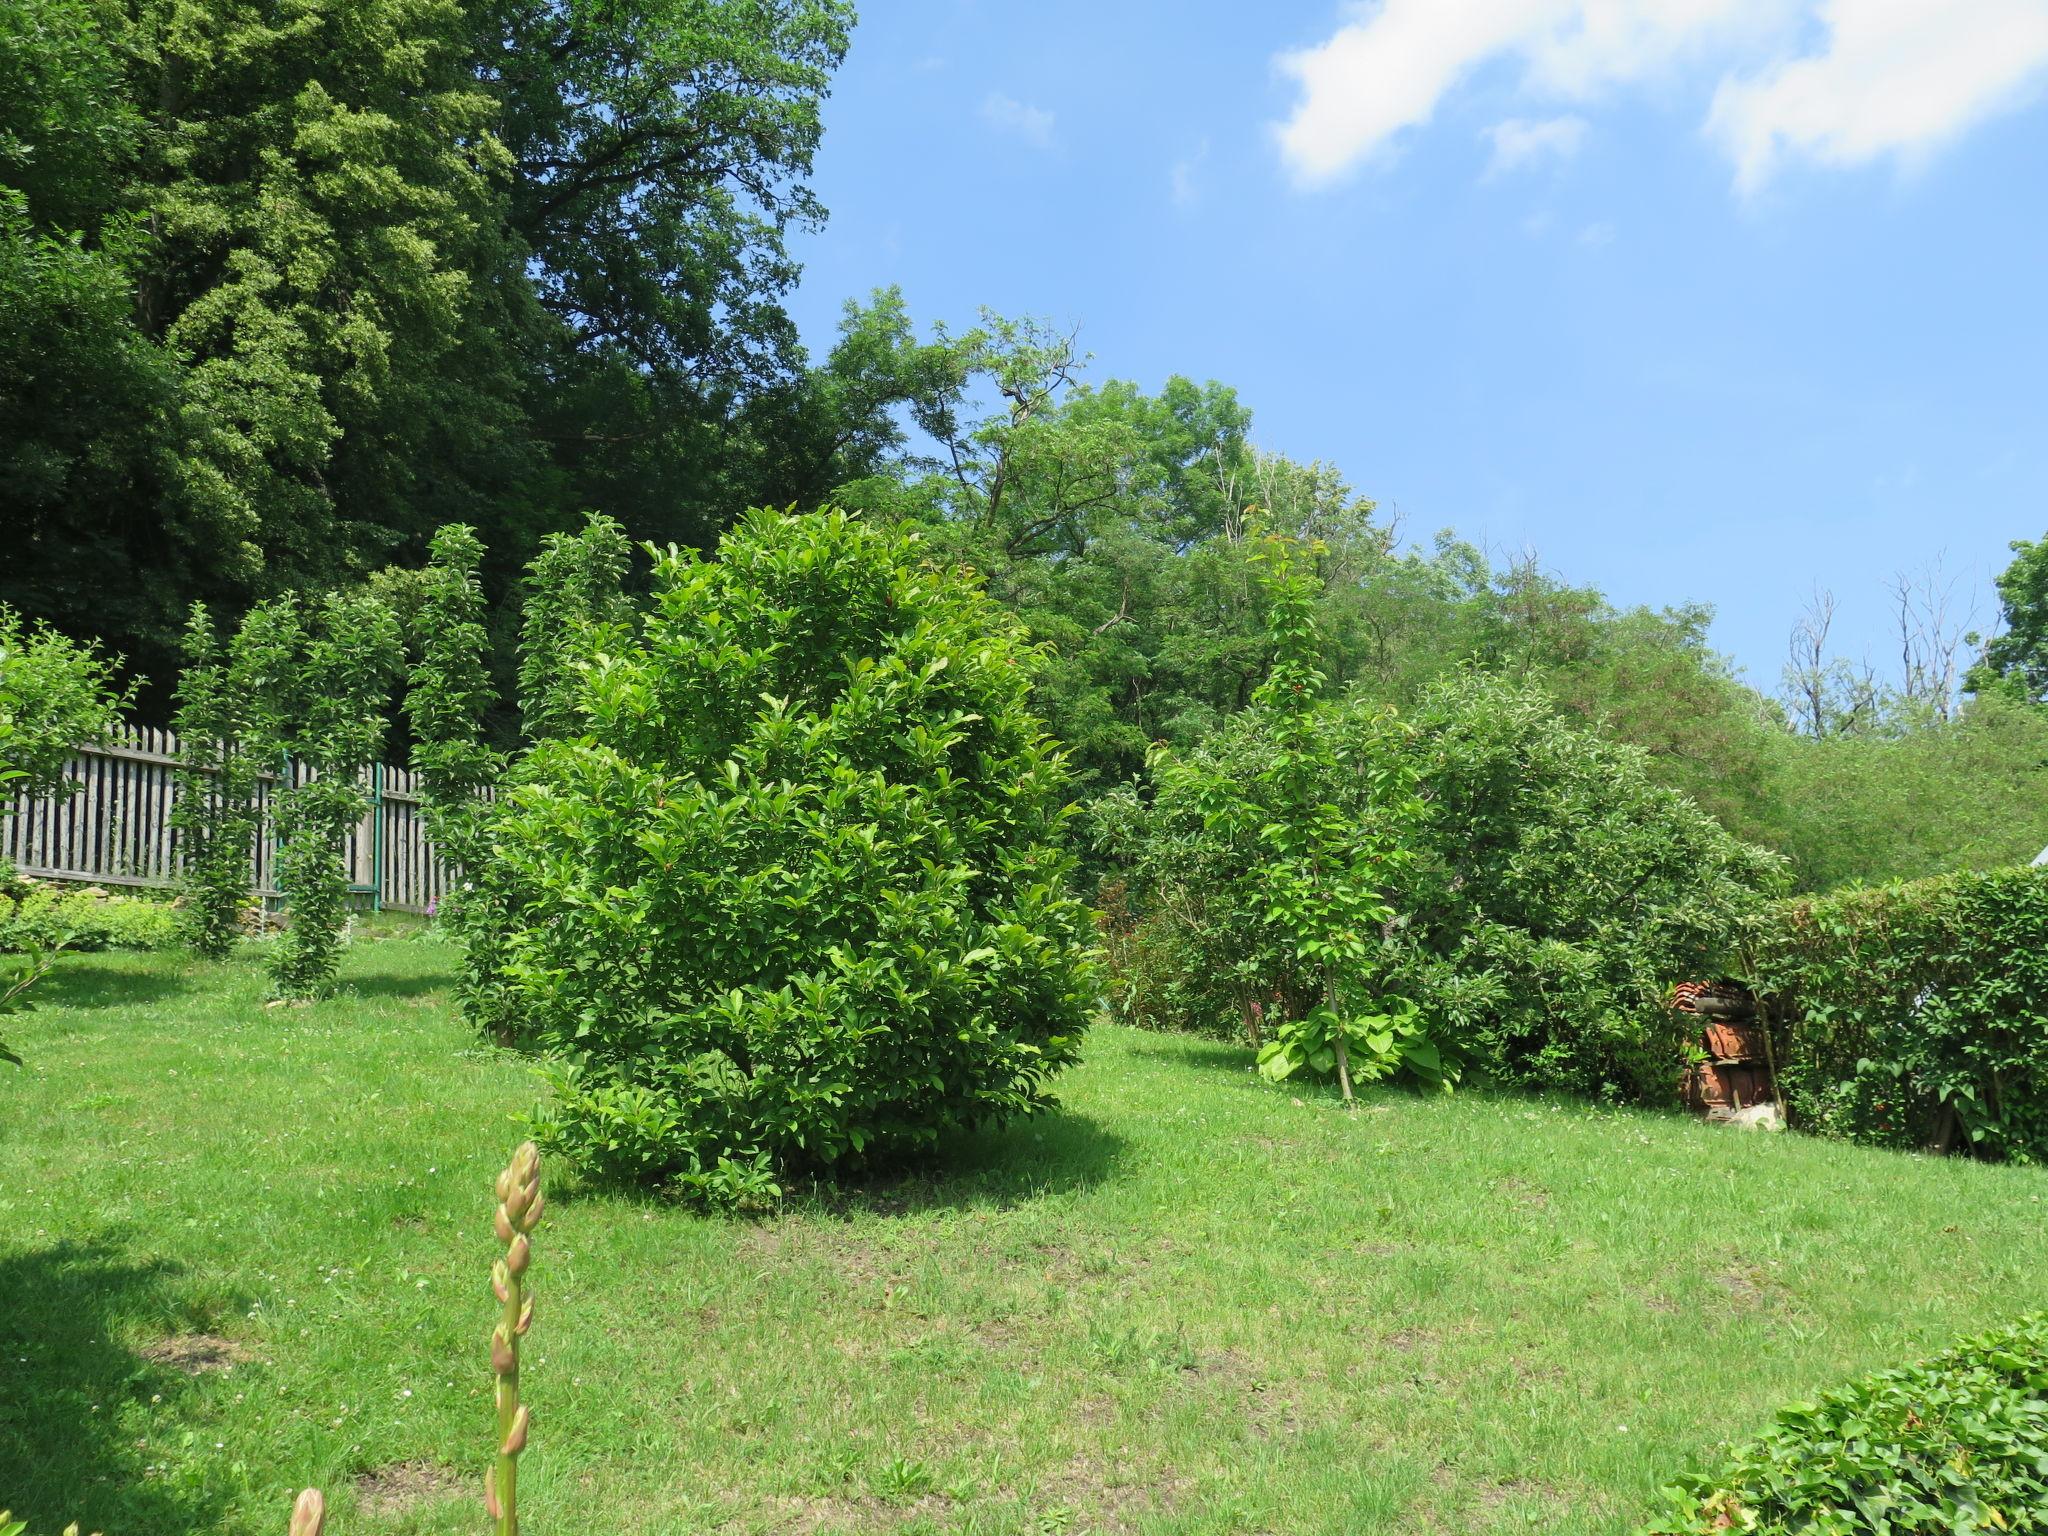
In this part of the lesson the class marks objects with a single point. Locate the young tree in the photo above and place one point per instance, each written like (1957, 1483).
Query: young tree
(575, 587)
(320, 672)
(55, 696)
(448, 696)
(1304, 816)
(215, 814)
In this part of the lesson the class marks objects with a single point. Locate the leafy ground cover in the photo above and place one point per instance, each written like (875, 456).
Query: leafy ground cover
(243, 1250)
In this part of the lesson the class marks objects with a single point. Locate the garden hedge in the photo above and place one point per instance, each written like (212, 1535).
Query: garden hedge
(1915, 1015)
(1952, 1444)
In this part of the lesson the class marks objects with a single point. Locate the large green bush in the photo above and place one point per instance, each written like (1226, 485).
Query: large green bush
(1915, 1014)
(790, 892)
(1547, 898)
(1561, 894)
(1953, 1444)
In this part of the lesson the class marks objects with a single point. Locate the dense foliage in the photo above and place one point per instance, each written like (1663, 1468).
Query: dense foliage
(448, 697)
(1269, 858)
(1952, 1444)
(39, 916)
(794, 895)
(1965, 793)
(2016, 661)
(283, 291)
(214, 811)
(319, 674)
(1561, 892)
(1548, 895)
(575, 597)
(1916, 1014)
(54, 695)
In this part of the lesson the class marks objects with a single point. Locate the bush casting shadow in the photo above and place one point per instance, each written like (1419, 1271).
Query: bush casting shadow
(1050, 1153)
(65, 1451)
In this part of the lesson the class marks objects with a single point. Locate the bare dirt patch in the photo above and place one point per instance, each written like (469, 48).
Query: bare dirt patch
(1748, 1285)
(1529, 1196)
(405, 1485)
(196, 1354)
(1106, 1501)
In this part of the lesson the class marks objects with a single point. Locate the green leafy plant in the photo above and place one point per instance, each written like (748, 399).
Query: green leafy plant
(318, 673)
(574, 593)
(448, 692)
(36, 915)
(1915, 1015)
(55, 696)
(1953, 1444)
(1559, 892)
(575, 609)
(214, 812)
(1550, 892)
(17, 974)
(1285, 844)
(793, 897)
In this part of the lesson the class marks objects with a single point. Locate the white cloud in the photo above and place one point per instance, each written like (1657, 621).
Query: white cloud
(1519, 141)
(1888, 77)
(1895, 78)
(1031, 124)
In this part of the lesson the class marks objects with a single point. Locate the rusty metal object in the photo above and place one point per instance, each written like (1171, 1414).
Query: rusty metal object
(1736, 1073)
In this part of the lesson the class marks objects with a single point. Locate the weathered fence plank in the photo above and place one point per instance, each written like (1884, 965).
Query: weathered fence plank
(116, 829)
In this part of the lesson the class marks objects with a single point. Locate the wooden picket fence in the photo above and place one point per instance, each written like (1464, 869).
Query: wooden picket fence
(116, 829)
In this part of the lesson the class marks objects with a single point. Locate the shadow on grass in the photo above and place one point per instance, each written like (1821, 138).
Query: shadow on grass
(1232, 1056)
(67, 1451)
(376, 985)
(109, 980)
(1052, 1153)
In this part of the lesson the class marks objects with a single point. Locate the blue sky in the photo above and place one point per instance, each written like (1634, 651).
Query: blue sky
(1700, 299)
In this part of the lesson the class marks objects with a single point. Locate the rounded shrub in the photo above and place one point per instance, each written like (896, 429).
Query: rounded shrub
(1561, 893)
(789, 892)
(1539, 907)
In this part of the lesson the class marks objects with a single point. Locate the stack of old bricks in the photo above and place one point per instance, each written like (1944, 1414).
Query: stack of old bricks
(1735, 1072)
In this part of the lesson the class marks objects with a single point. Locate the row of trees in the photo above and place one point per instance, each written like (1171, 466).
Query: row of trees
(299, 694)
(778, 877)
(280, 297)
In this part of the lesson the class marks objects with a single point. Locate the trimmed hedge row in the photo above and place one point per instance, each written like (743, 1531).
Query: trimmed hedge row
(1915, 1015)
(1955, 1443)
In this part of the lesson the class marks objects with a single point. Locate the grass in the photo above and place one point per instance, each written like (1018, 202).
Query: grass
(1187, 1303)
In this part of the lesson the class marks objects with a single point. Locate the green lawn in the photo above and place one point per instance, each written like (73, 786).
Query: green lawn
(1189, 1302)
